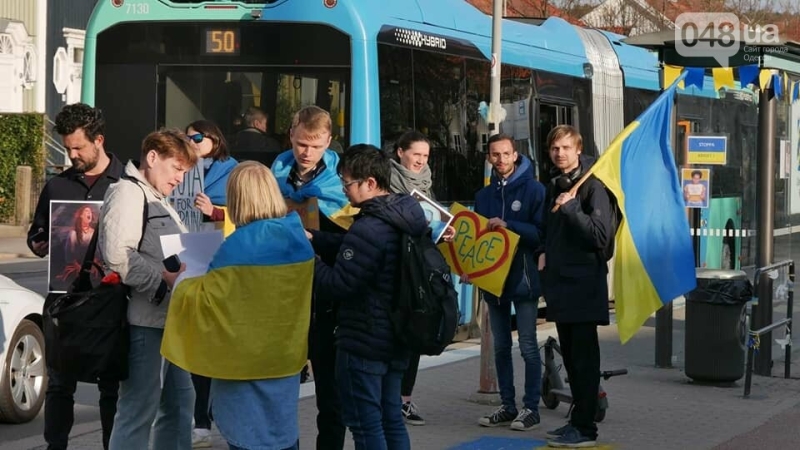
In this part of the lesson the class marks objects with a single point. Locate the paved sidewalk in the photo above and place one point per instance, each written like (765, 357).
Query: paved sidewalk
(650, 408)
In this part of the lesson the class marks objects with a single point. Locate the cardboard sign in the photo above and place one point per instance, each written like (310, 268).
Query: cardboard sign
(308, 211)
(182, 198)
(484, 255)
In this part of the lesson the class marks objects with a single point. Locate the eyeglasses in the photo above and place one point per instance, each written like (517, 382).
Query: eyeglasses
(197, 138)
(349, 183)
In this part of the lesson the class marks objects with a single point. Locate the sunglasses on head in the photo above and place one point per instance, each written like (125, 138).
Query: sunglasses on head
(197, 138)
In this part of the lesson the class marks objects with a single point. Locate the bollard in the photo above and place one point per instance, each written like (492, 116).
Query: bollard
(22, 196)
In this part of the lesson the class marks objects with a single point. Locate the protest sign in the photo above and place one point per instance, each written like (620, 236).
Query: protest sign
(182, 198)
(72, 225)
(484, 255)
(438, 217)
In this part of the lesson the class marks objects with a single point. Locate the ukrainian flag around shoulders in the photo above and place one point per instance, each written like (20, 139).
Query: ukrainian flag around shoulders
(326, 187)
(248, 317)
(654, 259)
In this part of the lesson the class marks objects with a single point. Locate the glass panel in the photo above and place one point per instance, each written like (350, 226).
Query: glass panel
(223, 96)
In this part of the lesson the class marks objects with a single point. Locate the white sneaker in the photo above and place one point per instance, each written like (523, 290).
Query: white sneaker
(201, 438)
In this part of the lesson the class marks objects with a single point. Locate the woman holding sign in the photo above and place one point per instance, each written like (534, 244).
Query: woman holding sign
(212, 150)
(410, 171)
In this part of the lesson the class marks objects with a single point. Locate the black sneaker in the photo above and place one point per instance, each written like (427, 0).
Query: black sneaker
(559, 431)
(411, 414)
(500, 416)
(572, 438)
(526, 420)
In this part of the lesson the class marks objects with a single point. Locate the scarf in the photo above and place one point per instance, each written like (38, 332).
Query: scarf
(404, 181)
(326, 187)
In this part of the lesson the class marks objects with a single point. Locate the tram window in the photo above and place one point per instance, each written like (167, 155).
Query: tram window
(550, 116)
(222, 96)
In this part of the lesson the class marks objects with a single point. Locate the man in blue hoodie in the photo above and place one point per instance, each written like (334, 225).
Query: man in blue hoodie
(514, 200)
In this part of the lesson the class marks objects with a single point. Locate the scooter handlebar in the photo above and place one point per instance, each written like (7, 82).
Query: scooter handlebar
(613, 373)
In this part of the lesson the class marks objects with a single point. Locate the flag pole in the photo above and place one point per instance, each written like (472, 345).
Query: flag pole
(488, 376)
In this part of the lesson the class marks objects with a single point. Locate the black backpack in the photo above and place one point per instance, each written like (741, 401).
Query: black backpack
(425, 311)
(607, 253)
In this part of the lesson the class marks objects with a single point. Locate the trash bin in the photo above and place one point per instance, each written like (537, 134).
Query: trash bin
(716, 325)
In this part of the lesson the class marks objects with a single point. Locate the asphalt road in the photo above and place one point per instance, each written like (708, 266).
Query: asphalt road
(34, 277)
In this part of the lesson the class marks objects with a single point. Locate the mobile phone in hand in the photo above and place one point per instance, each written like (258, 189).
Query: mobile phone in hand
(172, 264)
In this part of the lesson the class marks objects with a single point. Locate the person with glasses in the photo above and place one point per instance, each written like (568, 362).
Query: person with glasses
(370, 361)
(210, 146)
(308, 170)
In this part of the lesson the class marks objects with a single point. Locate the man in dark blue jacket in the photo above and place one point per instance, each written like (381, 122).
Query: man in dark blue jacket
(514, 200)
(369, 360)
(574, 275)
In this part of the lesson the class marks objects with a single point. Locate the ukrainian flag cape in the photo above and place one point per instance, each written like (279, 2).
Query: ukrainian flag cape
(326, 187)
(248, 317)
(654, 261)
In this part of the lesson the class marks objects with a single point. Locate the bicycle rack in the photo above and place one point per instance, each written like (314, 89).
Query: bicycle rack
(754, 335)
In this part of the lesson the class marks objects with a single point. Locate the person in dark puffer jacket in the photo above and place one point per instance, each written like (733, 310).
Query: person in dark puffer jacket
(370, 362)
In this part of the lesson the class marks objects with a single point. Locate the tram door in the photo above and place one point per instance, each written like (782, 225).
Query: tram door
(550, 116)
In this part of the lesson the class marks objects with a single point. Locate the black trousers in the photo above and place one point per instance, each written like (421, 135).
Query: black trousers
(581, 353)
(59, 415)
(202, 390)
(322, 349)
(410, 376)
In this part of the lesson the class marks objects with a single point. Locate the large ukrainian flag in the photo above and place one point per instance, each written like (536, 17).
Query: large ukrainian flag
(248, 317)
(654, 261)
(326, 187)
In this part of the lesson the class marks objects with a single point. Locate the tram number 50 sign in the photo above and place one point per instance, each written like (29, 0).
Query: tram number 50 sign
(222, 42)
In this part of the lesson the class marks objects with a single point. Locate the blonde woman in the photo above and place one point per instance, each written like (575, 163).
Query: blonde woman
(244, 324)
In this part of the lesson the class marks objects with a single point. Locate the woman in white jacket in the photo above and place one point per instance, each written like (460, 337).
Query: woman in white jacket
(152, 392)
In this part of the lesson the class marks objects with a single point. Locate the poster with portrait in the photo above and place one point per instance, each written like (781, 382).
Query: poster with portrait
(696, 185)
(72, 226)
(794, 169)
(437, 216)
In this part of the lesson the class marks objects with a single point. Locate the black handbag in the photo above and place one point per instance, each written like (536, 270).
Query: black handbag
(86, 330)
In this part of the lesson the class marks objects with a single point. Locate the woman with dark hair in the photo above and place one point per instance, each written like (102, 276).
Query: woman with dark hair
(212, 149)
(410, 171)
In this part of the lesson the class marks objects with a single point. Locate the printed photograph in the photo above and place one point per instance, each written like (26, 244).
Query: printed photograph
(438, 217)
(696, 187)
(72, 226)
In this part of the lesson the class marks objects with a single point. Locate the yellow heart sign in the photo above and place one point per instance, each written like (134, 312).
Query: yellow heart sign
(482, 254)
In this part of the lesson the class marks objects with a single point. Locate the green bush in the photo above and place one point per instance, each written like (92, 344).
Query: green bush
(21, 138)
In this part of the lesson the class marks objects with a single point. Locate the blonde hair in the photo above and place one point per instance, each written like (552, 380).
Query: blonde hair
(563, 131)
(170, 143)
(314, 120)
(253, 194)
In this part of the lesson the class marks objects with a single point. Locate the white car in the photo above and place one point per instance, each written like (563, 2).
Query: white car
(23, 378)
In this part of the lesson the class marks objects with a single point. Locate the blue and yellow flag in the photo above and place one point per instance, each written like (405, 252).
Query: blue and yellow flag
(326, 187)
(654, 261)
(248, 317)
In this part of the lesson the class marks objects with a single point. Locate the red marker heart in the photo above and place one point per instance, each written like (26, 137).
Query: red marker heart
(471, 216)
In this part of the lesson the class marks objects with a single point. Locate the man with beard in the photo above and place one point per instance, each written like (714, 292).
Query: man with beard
(82, 129)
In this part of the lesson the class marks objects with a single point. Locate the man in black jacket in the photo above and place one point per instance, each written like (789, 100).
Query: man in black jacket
(370, 362)
(574, 275)
(93, 170)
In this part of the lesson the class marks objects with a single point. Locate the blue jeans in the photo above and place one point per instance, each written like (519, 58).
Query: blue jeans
(370, 396)
(142, 399)
(500, 323)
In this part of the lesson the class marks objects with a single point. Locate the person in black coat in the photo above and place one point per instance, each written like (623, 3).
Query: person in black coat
(82, 130)
(574, 276)
(370, 361)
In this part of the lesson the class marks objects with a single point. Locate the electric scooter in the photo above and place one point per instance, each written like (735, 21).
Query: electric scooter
(553, 389)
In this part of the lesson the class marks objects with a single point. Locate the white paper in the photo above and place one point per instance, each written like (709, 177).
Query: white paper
(194, 249)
